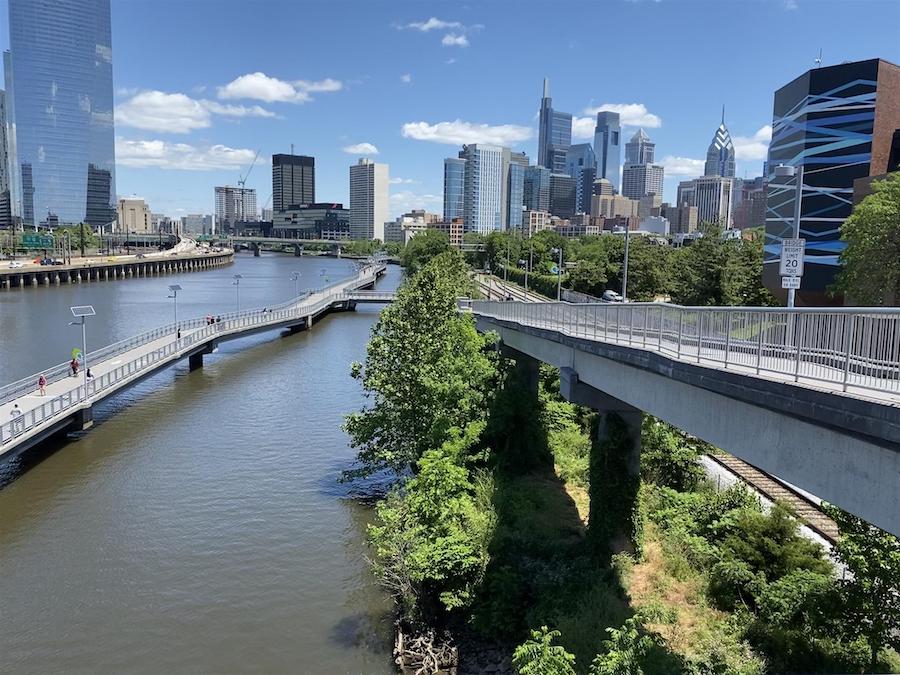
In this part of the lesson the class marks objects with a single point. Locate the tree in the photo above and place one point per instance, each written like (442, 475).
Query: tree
(431, 535)
(871, 590)
(539, 656)
(742, 278)
(626, 650)
(668, 457)
(427, 370)
(698, 270)
(870, 273)
(422, 248)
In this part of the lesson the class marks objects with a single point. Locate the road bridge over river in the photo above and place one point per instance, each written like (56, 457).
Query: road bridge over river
(809, 395)
(27, 418)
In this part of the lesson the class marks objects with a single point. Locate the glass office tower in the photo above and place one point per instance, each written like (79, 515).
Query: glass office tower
(454, 188)
(61, 70)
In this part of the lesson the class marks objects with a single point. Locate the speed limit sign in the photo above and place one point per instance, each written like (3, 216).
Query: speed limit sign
(792, 257)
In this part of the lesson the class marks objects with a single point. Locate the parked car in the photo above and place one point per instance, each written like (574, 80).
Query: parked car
(16, 264)
(611, 296)
(57, 261)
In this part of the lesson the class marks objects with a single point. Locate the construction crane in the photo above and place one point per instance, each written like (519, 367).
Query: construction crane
(243, 181)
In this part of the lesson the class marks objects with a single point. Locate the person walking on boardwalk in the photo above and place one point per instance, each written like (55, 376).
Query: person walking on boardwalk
(42, 384)
(74, 366)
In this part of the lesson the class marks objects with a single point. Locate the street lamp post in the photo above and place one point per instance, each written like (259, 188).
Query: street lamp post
(506, 269)
(530, 263)
(82, 312)
(625, 269)
(786, 170)
(175, 288)
(295, 277)
(237, 289)
(559, 251)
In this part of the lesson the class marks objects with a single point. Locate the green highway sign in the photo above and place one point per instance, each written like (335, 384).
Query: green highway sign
(32, 240)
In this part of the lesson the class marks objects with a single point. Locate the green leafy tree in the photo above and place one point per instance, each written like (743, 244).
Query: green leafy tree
(422, 248)
(427, 370)
(431, 535)
(668, 457)
(871, 590)
(539, 656)
(393, 248)
(698, 270)
(742, 278)
(871, 273)
(625, 650)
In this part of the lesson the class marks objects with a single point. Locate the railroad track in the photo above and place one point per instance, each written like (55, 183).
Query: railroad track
(807, 510)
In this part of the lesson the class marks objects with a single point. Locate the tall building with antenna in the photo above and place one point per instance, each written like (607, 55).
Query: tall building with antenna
(293, 181)
(555, 134)
(720, 154)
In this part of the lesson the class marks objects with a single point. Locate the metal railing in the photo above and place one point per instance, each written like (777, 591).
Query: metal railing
(848, 347)
(193, 332)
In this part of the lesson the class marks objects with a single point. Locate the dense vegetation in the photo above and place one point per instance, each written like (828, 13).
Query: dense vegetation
(507, 511)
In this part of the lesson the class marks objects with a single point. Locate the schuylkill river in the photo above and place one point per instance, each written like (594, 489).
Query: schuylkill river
(198, 527)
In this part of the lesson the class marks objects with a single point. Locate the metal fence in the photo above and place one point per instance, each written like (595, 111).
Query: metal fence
(849, 347)
(171, 348)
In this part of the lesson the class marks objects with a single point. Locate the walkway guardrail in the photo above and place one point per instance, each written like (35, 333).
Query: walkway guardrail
(193, 332)
(848, 347)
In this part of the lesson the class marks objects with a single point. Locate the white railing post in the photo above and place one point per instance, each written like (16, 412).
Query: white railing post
(727, 336)
(848, 349)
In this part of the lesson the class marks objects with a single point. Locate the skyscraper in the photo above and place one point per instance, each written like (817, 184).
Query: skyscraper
(555, 134)
(234, 205)
(60, 69)
(293, 181)
(607, 147)
(640, 176)
(515, 189)
(581, 164)
(484, 187)
(562, 195)
(714, 196)
(720, 155)
(454, 188)
(839, 123)
(536, 194)
(369, 199)
(5, 207)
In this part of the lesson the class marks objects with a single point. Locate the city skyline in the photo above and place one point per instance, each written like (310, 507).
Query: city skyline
(184, 126)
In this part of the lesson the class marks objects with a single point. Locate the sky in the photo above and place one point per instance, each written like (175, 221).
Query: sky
(202, 85)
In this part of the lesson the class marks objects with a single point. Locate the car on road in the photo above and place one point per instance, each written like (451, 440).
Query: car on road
(611, 296)
(16, 264)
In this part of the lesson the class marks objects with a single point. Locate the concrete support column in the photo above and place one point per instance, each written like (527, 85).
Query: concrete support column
(34, 279)
(195, 362)
(527, 368)
(83, 419)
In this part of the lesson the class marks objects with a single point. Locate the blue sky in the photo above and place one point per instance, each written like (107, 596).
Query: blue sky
(202, 84)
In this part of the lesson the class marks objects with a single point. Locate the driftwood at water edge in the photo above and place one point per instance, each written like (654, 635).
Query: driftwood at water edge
(425, 654)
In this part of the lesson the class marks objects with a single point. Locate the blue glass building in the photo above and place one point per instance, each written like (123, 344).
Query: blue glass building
(608, 147)
(515, 191)
(581, 165)
(555, 134)
(60, 69)
(454, 188)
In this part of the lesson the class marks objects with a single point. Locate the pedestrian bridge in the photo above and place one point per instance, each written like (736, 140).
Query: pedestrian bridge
(809, 395)
(68, 403)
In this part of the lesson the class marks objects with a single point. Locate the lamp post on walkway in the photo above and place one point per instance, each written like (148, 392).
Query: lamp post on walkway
(625, 269)
(175, 288)
(237, 289)
(787, 170)
(82, 312)
(295, 277)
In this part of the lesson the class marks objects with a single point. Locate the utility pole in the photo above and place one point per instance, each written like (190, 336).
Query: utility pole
(625, 270)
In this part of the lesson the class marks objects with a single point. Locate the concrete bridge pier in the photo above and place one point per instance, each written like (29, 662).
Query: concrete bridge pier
(195, 362)
(83, 419)
(298, 250)
(255, 248)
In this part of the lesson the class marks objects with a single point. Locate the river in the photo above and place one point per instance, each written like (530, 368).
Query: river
(199, 526)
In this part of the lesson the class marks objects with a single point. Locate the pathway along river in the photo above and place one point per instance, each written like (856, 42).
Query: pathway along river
(198, 527)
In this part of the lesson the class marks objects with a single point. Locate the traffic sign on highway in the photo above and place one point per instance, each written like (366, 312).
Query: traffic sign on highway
(790, 282)
(792, 258)
(32, 240)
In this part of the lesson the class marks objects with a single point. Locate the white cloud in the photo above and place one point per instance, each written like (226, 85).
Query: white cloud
(682, 166)
(159, 111)
(262, 87)
(450, 62)
(433, 24)
(402, 181)
(361, 149)
(791, 4)
(459, 132)
(180, 156)
(454, 40)
(405, 201)
(177, 113)
(631, 114)
(583, 127)
(406, 78)
(754, 147)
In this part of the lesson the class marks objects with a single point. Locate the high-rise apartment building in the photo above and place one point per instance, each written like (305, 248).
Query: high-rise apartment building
(59, 80)
(484, 188)
(720, 155)
(750, 211)
(713, 196)
(839, 123)
(562, 195)
(369, 199)
(608, 147)
(234, 205)
(536, 195)
(581, 164)
(5, 201)
(554, 134)
(454, 188)
(293, 181)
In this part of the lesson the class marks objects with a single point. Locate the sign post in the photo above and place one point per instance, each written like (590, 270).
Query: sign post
(791, 265)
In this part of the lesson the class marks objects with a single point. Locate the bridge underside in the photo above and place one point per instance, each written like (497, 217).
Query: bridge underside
(844, 450)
